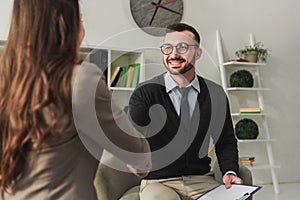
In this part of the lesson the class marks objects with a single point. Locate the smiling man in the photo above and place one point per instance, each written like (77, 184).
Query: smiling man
(177, 112)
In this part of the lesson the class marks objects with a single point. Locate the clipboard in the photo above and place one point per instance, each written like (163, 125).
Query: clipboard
(236, 192)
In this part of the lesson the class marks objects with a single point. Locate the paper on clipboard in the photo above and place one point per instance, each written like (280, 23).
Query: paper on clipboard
(236, 192)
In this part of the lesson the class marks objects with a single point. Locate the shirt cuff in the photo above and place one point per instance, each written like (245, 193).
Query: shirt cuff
(230, 172)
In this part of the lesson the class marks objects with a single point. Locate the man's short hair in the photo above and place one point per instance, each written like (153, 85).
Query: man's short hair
(183, 27)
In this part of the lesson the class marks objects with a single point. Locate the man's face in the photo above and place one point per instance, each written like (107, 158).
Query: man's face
(177, 62)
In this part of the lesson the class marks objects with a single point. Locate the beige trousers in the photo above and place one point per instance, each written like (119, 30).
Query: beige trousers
(177, 188)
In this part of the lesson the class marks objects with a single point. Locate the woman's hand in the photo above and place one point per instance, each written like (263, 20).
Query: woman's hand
(138, 172)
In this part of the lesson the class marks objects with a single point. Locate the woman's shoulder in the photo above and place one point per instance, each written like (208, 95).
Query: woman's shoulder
(85, 69)
(86, 66)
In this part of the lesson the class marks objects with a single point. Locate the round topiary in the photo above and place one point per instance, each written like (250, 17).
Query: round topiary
(246, 129)
(241, 78)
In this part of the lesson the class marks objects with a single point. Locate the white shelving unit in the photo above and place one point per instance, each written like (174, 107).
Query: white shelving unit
(106, 58)
(239, 97)
(124, 58)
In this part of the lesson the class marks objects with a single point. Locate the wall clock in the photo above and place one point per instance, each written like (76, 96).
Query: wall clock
(152, 16)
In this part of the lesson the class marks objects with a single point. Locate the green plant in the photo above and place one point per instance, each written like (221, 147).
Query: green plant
(262, 52)
(241, 78)
(246, 129)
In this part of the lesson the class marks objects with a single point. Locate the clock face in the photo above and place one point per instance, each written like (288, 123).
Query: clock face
(155, 15)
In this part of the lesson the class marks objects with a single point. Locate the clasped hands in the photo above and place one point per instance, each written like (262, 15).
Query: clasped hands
(138, 172)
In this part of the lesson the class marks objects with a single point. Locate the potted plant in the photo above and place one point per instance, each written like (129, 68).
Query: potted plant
(241, 78)
(246, 129)
(254, 53)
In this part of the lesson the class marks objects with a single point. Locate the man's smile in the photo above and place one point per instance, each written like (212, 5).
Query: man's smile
(176, 62)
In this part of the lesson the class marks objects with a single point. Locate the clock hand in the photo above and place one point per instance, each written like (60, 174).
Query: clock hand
(173, 11)
(162, 4)
(154, 13)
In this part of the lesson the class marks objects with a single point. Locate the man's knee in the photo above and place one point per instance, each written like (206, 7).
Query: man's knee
(158, 191)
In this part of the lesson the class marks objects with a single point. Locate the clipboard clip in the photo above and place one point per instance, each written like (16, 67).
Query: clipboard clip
(245, 196)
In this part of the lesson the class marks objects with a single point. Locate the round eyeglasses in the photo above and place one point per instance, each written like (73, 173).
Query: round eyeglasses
(181, 48)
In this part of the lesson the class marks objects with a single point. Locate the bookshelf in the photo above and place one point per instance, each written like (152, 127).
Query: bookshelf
(246, 97)
(123, 69)
(128, 65)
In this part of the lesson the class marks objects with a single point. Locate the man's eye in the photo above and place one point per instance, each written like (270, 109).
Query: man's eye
(168, 48)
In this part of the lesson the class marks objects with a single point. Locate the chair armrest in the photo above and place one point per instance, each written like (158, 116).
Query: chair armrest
(244, 173)
(111, 183)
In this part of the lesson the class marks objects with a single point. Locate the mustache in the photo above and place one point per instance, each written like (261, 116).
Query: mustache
(175, 59)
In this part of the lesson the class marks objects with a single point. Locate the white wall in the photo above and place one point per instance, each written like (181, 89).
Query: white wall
(274, 22)
(5, 12)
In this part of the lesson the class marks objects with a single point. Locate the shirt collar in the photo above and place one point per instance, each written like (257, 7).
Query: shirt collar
(171, 84)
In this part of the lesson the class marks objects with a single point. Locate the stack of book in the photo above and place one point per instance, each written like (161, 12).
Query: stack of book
(247, 160)
(125, 76)
(250, 110)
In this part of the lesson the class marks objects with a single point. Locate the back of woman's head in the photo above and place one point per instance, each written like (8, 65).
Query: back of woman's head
(35, 79)
(47, 27)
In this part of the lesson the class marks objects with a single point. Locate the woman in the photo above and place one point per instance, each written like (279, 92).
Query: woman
(42, 156)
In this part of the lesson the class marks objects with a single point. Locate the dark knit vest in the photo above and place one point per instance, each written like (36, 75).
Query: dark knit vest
(188, 163)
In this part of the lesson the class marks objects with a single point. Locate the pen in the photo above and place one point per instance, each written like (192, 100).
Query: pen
(245, 196)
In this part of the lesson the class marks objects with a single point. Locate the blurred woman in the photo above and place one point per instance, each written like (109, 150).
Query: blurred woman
(42, 156)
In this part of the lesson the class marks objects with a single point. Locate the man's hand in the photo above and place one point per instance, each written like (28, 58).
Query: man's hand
(137, 172)
(229, 179)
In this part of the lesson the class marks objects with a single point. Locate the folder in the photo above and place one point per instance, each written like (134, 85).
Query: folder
(236, 192)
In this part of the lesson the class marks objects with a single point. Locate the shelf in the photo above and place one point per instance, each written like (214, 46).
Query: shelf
(121, 88)
(261, 166)
(246, 89)
(257, 140)
(247, 114)
(249, 64)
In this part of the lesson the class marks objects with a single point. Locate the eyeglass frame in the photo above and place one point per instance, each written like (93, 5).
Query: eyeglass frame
(177, 46)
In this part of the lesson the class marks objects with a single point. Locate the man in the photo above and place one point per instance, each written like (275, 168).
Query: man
(178, 124)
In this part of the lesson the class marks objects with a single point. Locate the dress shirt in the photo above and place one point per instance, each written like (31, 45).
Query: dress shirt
(175, 95)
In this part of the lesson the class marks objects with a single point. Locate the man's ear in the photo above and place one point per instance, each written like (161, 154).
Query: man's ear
(198, 53)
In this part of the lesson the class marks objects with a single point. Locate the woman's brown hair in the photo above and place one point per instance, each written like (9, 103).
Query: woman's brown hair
(35, 78)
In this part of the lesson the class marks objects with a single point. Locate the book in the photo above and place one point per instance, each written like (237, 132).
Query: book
(123, 76)
(237, 60)
(247, 160)
(136, 75)
(117, 79)
(113, 74)
(235, 192)
(129, 76)
(250, 110)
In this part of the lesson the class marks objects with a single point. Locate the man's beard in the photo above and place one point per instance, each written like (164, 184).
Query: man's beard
(187, 67)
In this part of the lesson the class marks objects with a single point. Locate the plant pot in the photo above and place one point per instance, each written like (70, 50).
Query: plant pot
(251, 56)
